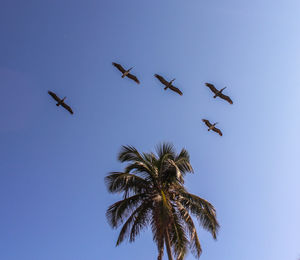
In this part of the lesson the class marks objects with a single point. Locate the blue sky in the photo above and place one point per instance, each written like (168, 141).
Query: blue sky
(52, 194)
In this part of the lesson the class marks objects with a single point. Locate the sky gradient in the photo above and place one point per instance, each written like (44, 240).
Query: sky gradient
(52, 194)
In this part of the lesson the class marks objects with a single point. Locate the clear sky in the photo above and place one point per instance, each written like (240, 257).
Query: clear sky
(52, 194)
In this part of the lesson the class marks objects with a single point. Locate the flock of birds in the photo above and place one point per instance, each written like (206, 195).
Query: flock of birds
(167, 84)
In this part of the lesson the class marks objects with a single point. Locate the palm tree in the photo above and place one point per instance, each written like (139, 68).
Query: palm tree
(154, 194)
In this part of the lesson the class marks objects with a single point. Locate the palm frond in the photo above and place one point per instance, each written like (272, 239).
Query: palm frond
(125, 182)
(129, 222)
(121, 209)
(141, 220)
(150, 158)
(129, 154)
(138, 168)
(165, 148)
(203, 210)
(160, 247)
(183, 162)
(178, 237)
(183, 154)
(171, 174)
(194, 242)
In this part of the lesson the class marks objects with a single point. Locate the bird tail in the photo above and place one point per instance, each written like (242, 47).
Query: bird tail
(123, 76)
(165, 88)
(57, 104)
(215, 96)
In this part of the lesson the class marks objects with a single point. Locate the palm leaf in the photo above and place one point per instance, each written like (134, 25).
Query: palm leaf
(129, 154)
(165, 148)
(126, 227)
(194, 242)
(141, 221)
(179, 240)
(183, 162)
(121, 209)
(203, 210)
(125, 182)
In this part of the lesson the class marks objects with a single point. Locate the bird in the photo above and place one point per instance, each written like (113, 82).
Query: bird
(168, 84)
(212, 127)
(218, 93)
(60, 102)
(126, 72)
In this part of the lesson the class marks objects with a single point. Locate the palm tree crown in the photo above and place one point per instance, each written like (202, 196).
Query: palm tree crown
(154, 194)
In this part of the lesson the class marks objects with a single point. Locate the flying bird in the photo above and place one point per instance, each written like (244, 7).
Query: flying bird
(126, 72)
(212, 127)
(218, 93)
(168, 84)
(60, 102)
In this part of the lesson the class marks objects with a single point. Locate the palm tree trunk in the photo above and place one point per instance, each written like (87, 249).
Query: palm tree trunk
(168, 245)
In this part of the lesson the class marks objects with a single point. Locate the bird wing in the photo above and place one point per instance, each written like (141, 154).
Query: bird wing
(208, 124)
(211, 87)
(64, 105)
(133, 78)
(161, 79)
(53, 95)
(217, 130)
(228, 99)
(119, 67)
(177, 90)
